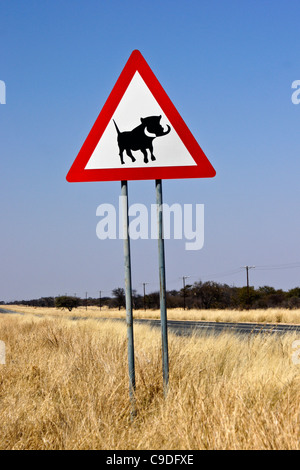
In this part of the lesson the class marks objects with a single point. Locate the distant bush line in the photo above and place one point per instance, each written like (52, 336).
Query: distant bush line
(200, 295)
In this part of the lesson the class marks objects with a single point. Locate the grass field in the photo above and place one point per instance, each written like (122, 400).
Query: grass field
(65, 386)
(272, 315)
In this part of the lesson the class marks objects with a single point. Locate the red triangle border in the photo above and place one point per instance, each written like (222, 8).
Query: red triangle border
(137, 63)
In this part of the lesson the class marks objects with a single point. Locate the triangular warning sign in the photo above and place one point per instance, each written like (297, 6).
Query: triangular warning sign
(139, 135)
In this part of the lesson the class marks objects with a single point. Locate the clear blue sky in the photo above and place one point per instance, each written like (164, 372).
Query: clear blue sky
(227, 66)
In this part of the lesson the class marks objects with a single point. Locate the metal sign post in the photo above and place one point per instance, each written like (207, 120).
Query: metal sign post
(128, 295)
(162, 283)
(138, 116)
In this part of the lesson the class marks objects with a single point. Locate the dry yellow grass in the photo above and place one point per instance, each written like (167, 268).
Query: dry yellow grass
(65, 386)
(271, 315)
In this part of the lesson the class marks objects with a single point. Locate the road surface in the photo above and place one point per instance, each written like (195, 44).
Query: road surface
(190, 327)
(198, 327)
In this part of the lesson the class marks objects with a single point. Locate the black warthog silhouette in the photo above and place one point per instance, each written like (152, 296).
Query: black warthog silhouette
(141, 137)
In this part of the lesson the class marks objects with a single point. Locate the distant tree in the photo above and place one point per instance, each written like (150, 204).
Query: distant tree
(266, 290)
(268, 297)
(153, 300)
(294, 292)
(247, 298)
(46, 302)
(65, 301)
(293, 298)
(182, 297)
(293, 302)
(138, 300)
(210, 295)
(200, 295)
(119, 295)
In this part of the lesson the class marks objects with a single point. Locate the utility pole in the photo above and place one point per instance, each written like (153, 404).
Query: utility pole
(247, 273)
(86, 300)
(184, 293)
(144, 286)
(100, 300)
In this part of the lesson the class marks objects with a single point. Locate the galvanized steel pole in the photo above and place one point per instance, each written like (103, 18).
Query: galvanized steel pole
(162, 282)
(128, 294)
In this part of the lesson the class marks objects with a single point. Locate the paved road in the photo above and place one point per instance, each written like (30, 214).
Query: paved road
(198, 327)
(189, 327)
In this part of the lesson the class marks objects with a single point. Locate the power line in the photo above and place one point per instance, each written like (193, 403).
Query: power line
(271, 267)
(279, 266)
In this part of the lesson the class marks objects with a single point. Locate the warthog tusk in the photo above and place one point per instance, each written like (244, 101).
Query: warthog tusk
(149, 134)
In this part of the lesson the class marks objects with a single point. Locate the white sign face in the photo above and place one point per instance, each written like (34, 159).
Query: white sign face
(138, 103)
(139, 135)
